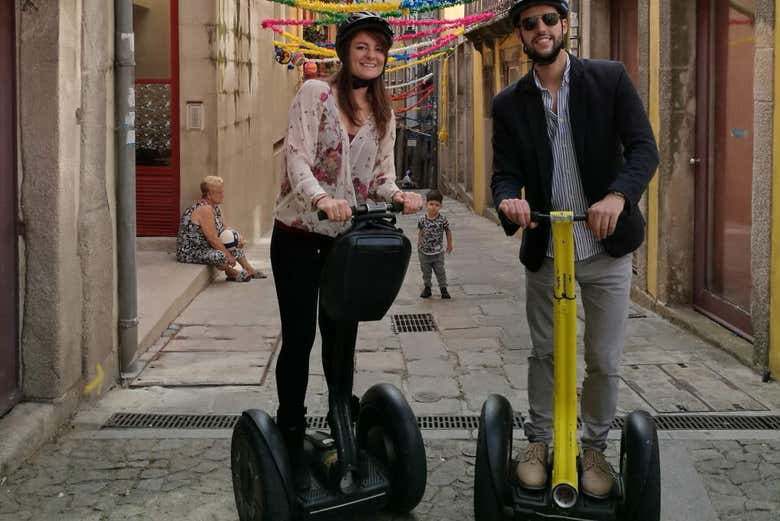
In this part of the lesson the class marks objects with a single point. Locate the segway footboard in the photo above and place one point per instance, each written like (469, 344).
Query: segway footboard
(532, 505)
(320, 502)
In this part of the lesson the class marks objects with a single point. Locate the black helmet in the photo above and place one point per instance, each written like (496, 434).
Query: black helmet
(363, 20)
(562, 6)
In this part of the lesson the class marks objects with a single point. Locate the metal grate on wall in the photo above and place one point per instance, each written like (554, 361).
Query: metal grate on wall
(413, 323)
(669, 422)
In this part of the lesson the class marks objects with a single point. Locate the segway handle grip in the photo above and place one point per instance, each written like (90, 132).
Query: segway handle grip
(546, 218)
(367, 208)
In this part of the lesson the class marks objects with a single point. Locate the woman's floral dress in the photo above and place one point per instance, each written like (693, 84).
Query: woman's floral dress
(192, 246)
(320, 159)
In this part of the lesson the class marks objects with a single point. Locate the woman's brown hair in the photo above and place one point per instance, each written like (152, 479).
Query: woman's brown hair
(377, 94)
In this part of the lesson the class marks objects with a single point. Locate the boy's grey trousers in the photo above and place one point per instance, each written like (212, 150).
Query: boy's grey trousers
(435, 263)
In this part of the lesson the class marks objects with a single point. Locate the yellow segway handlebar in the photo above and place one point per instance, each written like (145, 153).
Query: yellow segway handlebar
(564, 477)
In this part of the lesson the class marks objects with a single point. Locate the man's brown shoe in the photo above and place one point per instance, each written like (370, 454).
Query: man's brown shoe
(532, 469)
(597, 474)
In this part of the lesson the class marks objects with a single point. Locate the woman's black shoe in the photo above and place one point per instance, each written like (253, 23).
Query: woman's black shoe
(293, 430)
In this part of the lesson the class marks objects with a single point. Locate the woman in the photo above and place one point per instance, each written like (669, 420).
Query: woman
(198, 239)
(339, 152)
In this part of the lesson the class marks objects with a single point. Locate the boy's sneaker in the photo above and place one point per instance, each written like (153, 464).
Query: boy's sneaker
(445, 293)
(426, 292)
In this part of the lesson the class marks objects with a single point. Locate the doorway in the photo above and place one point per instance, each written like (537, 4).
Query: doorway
(155, 24)
(9, 341)
(724, 162)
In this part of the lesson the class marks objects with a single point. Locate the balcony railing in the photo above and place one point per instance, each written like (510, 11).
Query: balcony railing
(499, 7)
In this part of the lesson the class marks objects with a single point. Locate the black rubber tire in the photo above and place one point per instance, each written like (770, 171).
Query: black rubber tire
(257, 484)
(489, 502)
(387, 429)
(640, 468)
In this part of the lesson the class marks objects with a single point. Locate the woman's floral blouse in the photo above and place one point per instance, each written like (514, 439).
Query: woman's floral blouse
(319, 159)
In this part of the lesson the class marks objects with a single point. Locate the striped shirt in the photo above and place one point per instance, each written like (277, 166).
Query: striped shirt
(567, 191)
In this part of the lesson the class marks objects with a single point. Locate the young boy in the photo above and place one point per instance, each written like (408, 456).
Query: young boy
(430, 244)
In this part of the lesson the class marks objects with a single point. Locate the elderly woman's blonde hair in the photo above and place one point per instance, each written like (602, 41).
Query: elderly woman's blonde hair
(210, 181)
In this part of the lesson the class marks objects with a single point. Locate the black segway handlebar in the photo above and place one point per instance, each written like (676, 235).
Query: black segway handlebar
(547, 218)
(368, 208)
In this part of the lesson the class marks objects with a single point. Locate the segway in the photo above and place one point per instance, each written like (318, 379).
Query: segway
(636, 493)
(375, 462)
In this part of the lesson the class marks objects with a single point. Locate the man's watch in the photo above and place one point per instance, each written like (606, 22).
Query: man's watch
(621, 194)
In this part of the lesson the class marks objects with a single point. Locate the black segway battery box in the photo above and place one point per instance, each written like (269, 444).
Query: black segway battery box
(365, 269)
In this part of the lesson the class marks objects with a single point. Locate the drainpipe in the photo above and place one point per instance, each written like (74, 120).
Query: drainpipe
(124, 62)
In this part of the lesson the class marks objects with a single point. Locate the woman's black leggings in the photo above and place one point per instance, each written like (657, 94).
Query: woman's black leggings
(297, 259)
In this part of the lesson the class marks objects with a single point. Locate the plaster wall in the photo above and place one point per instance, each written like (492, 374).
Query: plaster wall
(97, 208)
(227, 62)
(676, 142)
(197, 84)
(760, 243)
(67, 194)
(598, 31)
(49, 97)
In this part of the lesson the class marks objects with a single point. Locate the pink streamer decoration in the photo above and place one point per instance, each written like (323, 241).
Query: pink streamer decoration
(281, 21)
(466, 20)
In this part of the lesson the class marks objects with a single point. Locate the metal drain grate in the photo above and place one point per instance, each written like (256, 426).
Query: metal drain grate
(170, 421)
(669, 422)
(198, 421)
(448, 422)
(716, 422)
(413, 323)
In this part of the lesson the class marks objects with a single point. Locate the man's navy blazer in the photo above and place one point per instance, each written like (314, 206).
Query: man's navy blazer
(613, 141)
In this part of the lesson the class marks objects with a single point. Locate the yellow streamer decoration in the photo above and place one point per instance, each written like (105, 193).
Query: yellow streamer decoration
(443, 112)
(417, 62)
(303, 43)
(296, 47)
(378, 7)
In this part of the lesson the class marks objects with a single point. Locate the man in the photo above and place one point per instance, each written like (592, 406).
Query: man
(572, 133)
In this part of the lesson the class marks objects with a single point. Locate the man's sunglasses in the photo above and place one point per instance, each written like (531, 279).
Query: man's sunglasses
(529, 23)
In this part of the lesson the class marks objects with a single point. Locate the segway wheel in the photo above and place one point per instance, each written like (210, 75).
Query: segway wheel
(257, 483)
(494, 453)
(641, 468)
(387, 429)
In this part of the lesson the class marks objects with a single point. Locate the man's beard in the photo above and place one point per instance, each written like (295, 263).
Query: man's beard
(543, 59)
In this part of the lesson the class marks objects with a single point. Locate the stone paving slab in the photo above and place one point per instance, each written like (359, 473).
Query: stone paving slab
(422, 346)
(678, 473)
(431, 367)
(711, 388)
(204, 368)
(218, 345)
(390, 362)
(661, 390)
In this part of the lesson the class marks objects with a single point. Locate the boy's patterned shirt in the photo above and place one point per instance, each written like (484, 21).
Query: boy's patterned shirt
(432, 233)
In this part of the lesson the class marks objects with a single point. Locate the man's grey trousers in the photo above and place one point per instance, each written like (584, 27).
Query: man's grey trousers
(604, 287)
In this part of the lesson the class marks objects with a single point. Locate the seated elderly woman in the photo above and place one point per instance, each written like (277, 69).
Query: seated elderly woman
(198, 241)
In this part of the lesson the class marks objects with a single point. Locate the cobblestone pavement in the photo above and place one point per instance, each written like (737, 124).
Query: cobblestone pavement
(218, 358)
(742, 477)
(107, 480)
